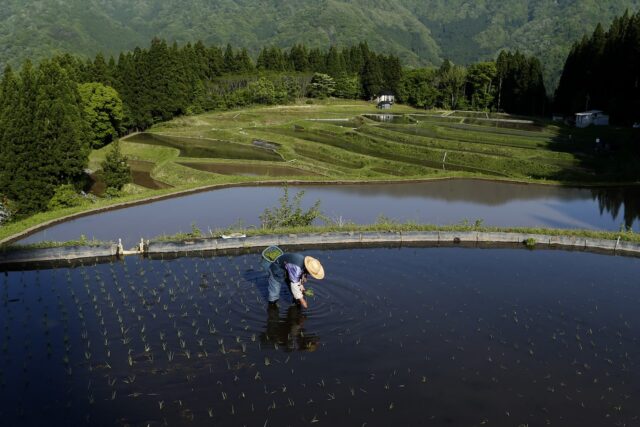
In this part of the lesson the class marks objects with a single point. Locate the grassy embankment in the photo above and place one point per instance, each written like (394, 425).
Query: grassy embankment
(350, 148)
(381, 227)
(396, 227)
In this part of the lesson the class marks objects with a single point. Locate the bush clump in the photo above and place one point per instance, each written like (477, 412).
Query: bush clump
(65, 196)
(289, 213)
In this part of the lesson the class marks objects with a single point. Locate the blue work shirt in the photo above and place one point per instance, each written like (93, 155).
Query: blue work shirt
(278, 270)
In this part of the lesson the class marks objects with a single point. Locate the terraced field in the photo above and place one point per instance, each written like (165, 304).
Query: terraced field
(338, 141)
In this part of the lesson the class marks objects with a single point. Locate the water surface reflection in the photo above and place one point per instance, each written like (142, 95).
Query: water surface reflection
(438, 202)
(409, 336)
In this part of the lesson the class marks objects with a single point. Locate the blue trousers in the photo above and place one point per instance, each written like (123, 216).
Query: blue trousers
(273, 284)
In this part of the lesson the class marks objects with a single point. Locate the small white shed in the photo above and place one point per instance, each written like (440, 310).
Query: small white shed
(385, 97)
(593, 117)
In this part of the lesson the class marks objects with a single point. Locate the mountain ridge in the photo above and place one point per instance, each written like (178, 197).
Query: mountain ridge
(420, 32)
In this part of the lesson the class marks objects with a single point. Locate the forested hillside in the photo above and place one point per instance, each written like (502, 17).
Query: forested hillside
(603, 72)
(420, 32)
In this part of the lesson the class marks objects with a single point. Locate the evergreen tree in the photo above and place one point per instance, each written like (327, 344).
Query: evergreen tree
(61, 133)
(9, 101)
(243, 61)
(603, 72)
(200, 57)
(372, 78)
(391, 73)
(100, 72)
(356, 59)
(73, 66)
(334, 63)
(299, 58)
(164, 88)
(316, 61)
(262, 62)
(115, 170)
(230, 65)
(215, 62)
(21, 173)
(520, 85)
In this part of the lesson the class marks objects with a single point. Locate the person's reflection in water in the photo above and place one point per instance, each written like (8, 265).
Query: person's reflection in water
(288, 332)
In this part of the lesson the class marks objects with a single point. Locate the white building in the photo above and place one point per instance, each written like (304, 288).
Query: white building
(593, 117)
(387, 97)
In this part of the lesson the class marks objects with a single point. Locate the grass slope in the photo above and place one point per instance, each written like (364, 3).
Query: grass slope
(334, 141)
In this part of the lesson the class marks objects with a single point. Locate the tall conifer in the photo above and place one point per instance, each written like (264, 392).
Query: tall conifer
(61, 134)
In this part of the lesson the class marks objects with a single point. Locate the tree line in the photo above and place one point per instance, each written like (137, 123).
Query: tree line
(45, 139)
(513, 84)
(164, 80)
(53, 114)
(603, 72)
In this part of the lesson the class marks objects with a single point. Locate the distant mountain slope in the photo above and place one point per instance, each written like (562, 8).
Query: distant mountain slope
(419, 31)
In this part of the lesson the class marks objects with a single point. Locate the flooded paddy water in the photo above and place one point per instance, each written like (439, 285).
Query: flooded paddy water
(410, 336)
(140, 175)
(436, 202)
(248, 169)
(207, 148)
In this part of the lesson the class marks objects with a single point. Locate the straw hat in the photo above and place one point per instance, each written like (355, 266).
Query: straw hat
(314, 267)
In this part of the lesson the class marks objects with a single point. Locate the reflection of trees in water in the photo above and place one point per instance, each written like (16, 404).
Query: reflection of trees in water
(613, 200)
(288, 332)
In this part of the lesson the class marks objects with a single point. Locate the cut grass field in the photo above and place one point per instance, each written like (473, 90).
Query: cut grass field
(335, 141)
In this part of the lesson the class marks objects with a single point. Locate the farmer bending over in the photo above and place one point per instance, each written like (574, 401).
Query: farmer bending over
(293, 269)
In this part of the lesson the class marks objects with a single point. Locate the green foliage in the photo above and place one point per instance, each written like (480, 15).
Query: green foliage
(451, 80)
(520, 85)
(289, 213)
(112, 193)
(603, 72)
(420, 32)
(512, 84)
(44, 136)
(322, 86)
(530, 243)
(262, 91)
(400, 227)
(481, 78)
(65, 196)
(103, 112)
(347, 87)
(115, 170)
(419, 88)
(195, 231)
(372, 78)
(83, 241)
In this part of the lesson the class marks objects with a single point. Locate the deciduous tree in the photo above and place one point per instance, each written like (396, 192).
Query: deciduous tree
(102, 111)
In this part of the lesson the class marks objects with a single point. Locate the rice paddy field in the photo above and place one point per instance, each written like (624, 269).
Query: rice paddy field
(404, 336)
(351, 141)
(338, 140)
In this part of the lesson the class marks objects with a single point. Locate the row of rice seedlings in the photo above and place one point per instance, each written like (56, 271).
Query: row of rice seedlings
(189, 295)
